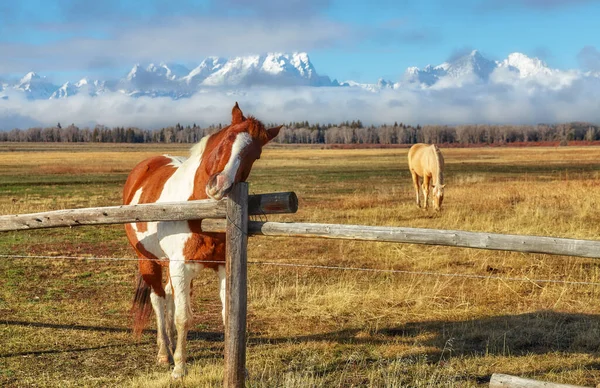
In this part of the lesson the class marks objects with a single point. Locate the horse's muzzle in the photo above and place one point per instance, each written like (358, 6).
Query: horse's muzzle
(218, 186)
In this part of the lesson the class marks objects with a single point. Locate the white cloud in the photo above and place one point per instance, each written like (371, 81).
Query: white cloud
(474, 103)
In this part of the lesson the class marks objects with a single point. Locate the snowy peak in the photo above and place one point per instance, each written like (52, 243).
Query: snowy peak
(236, 71)
(473, 64)
(168, 71)
(276, 69)
(66, 90)
(203, 70)
(29, 78)
(474, 67)
(177, 81)
(35, 86)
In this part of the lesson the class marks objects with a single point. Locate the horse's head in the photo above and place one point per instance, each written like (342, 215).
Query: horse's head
(438, 196)
(230, 154)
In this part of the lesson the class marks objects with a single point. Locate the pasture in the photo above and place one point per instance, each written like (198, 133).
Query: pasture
(66, 322)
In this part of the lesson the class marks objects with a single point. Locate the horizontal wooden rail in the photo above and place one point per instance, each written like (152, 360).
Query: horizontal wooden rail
(271, 203)
(455, 238)
(500, 380)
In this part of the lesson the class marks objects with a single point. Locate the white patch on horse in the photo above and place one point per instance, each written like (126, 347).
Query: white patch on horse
(222, 289)
(172, 236)
(180, 186)
(242, 140)
(146, 238)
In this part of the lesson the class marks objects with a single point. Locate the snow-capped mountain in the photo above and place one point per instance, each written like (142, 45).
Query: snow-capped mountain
(234, 75)
(91, 88)
(470, 67)
(66, 90)
(177, 81)
(275, 69)
(35, 86)
(380, 85)
(475, 68)
(207, 67)
(83, 86)
(153, 80)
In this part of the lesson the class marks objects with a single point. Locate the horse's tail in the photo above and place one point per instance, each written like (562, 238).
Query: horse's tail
(142, 306)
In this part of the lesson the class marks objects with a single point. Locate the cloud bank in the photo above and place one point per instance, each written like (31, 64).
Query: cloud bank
(498, 103)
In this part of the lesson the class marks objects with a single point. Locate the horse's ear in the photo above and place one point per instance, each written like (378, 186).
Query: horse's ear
(442, 186)
(236, 115)
(272, 132)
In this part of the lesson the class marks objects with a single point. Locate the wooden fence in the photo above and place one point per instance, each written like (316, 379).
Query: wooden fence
(231, 215)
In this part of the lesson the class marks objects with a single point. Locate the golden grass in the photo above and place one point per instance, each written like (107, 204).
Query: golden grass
(311, 327)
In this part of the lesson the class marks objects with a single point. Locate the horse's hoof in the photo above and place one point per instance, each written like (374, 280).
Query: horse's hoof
(162, 360)
(178, 373)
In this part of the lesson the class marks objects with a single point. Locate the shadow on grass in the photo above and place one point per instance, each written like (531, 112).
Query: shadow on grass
(507, 335)
(192, 336)
(538, 332)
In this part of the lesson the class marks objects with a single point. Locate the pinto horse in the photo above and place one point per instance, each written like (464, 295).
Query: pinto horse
(425, 161)
(215, 164)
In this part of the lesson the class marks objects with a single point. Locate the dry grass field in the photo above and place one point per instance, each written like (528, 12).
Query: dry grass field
(65, 323)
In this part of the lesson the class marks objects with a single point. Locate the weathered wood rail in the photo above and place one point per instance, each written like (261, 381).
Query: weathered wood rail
(500, 380)
(454, 238)
(271, 203)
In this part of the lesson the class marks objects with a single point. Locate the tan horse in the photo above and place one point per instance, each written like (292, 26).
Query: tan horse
(426, 161)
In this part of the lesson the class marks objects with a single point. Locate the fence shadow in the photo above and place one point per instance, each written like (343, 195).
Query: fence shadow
(516, 335)
(192, 335)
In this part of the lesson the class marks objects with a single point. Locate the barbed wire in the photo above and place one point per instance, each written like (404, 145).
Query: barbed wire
(324, 267)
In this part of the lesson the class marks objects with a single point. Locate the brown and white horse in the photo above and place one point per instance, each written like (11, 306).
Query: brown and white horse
(215, 164)
(426, 161)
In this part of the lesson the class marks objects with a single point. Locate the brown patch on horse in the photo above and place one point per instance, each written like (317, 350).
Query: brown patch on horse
(150, 176)
(210, 157)
(142, 227)
(204, 247)
(140, 173)
(150, 265)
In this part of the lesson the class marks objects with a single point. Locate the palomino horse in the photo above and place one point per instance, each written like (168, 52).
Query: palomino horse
(215, 164)
(426, 161)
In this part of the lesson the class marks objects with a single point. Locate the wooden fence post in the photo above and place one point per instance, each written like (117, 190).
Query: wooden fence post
(236, 299)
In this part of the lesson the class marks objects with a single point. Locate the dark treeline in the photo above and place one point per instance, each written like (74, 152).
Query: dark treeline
(305, 133)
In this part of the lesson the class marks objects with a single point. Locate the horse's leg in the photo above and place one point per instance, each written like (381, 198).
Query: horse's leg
(415, 179)
(425, 185)
(170, 315)
(151, 283)
(181, 274)
(222, 289)
(162, 340)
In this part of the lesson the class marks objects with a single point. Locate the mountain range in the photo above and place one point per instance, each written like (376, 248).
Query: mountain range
(283, 70)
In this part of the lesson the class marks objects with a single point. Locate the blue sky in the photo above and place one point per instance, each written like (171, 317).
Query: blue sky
(359, 40)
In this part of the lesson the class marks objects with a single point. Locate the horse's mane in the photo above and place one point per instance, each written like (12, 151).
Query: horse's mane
(198, 148)
(440, 165)
(256, 128)
(437, 152)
